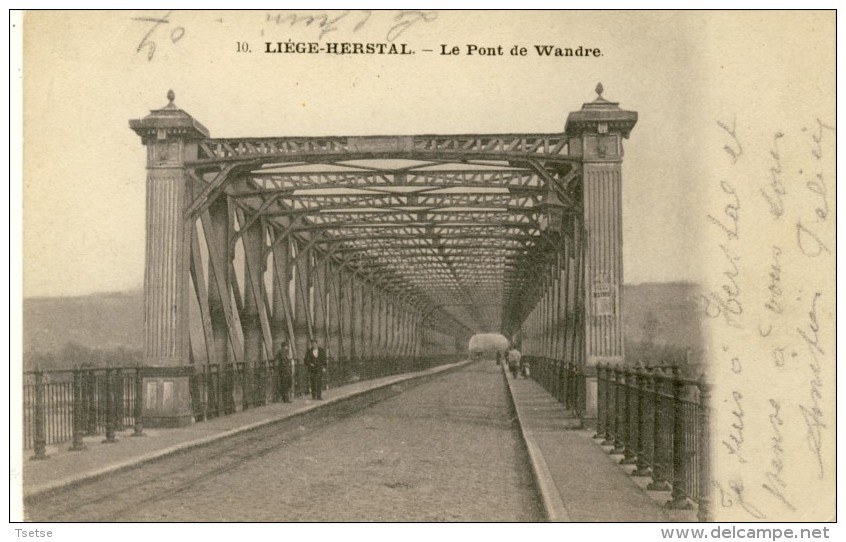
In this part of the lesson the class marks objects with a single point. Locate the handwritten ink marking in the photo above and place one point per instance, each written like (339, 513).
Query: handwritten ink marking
(175, 35)
(327, 23)
(736, 366)
(818, 187)
(406, 18)
(730, 306)
(774, 191)
(773, 304)
(813, 340)
(731, 211)
(779, 358)
(813, 414)
(775, 484)
(817, 151)
(736, 149)
(775, 291)
(324, 22)
(735, 441)
(736, 490)
(725, 499)
(809, 242)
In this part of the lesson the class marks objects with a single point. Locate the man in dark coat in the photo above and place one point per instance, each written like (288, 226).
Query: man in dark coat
(315, 362)
(283, 365)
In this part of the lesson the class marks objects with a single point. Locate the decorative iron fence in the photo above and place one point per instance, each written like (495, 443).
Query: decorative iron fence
(64, 405)
(565, 381)
(659, 421)
(656, 418)
(67, 405)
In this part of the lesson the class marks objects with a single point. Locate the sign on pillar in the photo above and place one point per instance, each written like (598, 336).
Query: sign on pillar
(595, 134)
(170, 136)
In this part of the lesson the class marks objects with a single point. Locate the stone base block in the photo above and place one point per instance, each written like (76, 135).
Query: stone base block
(166, 396)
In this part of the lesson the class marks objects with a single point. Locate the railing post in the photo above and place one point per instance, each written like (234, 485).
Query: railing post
(640, 380)
(40, 417)
(110, 407)
(600, 402)
(581, 395)
(679, 500)
(138, 430)
(119, 399)
(241, 369)
(229, 389)
(610, 392)
(575, 383)
(620, 414)
(263, 371)
(659, 454)
(559, 380)
(214, 391)
(197, 384)
(705, 512)
(273, 376)
(629, 381)
(78, 411)
(91, 402)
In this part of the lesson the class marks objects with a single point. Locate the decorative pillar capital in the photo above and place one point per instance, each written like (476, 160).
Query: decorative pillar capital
(164, 130)
(596, 131)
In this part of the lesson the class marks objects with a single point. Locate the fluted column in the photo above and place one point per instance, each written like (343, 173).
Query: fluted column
(170, 136)
(596, 134)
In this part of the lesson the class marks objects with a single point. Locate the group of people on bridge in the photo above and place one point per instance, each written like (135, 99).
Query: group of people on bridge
(516, 363)
(315, 362)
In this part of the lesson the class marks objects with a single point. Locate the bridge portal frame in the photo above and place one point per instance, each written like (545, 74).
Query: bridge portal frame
(562, 263)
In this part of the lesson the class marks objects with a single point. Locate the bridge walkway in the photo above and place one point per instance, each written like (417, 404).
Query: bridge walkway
(575, 478)
(583, 481)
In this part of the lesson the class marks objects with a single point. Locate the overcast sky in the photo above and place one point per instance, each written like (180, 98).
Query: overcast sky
(85, 77)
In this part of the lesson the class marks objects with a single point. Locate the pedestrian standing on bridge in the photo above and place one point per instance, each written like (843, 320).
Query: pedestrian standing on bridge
(283, 365)
(525, 368)
(315, 362)
(514, 362)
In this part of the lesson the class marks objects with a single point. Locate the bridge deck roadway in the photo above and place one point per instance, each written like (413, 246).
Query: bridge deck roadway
(446, 446)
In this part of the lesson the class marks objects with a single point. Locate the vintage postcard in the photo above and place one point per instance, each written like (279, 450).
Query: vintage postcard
(427, 265)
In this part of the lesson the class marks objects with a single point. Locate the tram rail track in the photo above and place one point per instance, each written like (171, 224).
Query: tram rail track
(224, 454)
(423, 467)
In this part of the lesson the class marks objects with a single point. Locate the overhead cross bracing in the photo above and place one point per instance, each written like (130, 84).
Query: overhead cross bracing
(445, 228)
(383, 247)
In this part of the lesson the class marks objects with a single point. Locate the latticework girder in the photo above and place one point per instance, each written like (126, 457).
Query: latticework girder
(381, 246)
(431, 216)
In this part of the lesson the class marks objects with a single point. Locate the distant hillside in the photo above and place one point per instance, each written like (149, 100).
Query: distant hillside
(674, 310)
(660, 314)
(95, 321)
(661, 322)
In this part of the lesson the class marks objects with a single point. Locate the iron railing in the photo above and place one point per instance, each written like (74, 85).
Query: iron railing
(659, 421)
(64, 405)
(67, 405)
(565, 381)
(656, 418)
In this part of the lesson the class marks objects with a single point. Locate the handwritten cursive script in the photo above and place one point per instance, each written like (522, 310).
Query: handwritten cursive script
(735, 440)
(353, 20)
(774, 191)
(812, 414)
(775, 484)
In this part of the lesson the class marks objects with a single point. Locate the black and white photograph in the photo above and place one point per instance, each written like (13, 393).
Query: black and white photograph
(419, 265)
